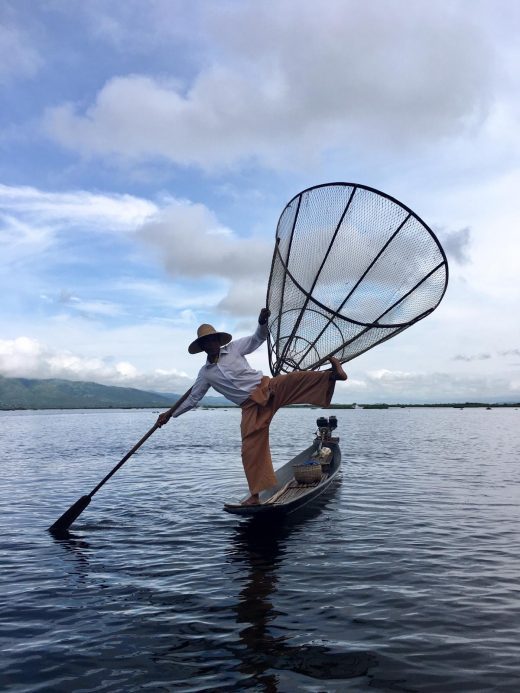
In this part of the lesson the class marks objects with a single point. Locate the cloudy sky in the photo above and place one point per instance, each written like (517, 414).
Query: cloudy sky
(147, 150)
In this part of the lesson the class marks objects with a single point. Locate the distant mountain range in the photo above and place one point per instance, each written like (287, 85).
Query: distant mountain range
(27, 393)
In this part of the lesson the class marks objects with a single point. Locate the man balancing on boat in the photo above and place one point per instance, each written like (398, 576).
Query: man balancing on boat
(260, 397)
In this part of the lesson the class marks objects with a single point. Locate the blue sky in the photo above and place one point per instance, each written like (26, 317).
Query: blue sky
(147, 150)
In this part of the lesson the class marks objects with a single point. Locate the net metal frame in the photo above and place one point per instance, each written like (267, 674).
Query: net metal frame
(304, 329)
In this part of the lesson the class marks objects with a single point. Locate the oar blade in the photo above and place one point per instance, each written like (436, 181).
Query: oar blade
(64, 522)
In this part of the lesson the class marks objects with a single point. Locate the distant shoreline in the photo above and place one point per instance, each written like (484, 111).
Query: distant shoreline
(440, 405)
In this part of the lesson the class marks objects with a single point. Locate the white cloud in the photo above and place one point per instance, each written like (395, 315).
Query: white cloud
(191, 243)
(29, 358)
(110, 212)
(90, 308)
(408, 386)
(43, 235)
(245, 296)
(186, 239)
(218, 276)
(19, 239)
(283, 83)
(428, 92)
(183, 301)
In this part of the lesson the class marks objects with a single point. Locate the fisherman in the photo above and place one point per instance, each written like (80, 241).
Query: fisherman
(229, 373)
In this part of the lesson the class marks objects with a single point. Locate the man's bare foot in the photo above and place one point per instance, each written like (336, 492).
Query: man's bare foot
(337, 371)
(252, 500)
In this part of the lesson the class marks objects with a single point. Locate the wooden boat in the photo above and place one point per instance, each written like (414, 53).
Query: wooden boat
(288, 494)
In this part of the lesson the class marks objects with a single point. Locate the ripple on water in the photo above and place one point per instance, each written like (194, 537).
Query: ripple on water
(404, 578)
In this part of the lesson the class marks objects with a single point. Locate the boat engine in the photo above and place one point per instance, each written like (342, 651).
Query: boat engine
(325, 428)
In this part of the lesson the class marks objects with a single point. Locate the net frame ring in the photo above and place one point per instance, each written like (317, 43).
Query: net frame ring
(281, 359)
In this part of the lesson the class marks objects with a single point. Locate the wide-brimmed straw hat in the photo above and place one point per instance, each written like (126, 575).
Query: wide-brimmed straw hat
(204, 331)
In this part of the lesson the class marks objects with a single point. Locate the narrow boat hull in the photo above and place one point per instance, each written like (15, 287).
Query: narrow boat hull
(287, 496)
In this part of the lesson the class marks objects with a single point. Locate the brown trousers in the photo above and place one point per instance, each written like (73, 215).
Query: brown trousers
(300, 387)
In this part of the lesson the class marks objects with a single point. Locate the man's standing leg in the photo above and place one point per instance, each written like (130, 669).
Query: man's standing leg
(256, 455)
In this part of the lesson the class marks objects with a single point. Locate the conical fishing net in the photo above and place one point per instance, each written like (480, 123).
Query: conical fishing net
(352, 267)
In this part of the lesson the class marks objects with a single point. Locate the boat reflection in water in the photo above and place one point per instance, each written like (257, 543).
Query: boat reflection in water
(263, 547)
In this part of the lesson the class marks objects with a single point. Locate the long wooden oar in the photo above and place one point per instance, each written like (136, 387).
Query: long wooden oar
(75, 510)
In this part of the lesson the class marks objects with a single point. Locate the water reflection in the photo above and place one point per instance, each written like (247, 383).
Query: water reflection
(256, 655)
(261, 547)
(76, 547)
(167, 593)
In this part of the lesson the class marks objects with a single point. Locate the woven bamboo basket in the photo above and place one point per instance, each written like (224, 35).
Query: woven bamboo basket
(307, 473)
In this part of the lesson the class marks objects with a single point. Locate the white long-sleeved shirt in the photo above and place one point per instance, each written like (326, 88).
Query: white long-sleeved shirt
(231, 375)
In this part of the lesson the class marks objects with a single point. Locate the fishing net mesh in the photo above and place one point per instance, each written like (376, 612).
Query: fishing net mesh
(352, 267)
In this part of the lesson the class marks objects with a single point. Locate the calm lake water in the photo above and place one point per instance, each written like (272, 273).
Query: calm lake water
(405, 578)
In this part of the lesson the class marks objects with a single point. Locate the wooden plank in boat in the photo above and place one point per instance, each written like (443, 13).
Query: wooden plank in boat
(291, 490)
